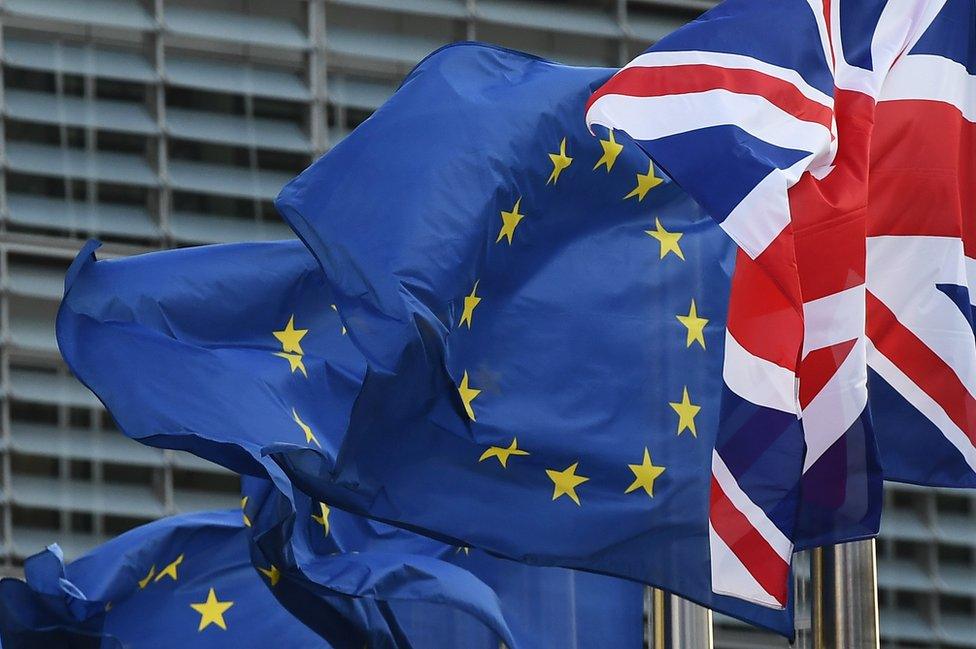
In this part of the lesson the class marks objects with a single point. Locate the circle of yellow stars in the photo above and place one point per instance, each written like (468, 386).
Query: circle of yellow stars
(645, 472)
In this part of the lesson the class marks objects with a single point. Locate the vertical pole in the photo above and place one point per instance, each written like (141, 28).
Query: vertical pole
(691, 625)
(816, 598)
(648, 618)
(848, 600)
(659, 625)
(803, 598)
(654, 634)
(676, 623)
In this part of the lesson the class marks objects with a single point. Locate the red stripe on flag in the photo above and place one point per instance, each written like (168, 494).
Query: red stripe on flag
(829, 215)
(642, 81)
(819, 366)
(921, 165)
(765, 315)
(921, 365)
(745, 541)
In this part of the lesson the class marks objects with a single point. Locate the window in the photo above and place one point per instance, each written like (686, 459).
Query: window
(34, 465)
(18, 79)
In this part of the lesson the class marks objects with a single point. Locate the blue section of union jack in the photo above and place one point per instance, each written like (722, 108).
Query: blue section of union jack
(772, 115)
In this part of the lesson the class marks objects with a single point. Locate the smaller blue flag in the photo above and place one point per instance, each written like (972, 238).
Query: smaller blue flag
(185, 581)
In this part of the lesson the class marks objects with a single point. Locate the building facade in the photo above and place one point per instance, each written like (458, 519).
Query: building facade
(154, 124)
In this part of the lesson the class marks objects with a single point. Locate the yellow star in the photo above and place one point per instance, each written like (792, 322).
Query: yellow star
(290, 337)
(668, 240)
(170, 570)
(145, 580)
(565, 482)
(611, 149)
(510, 221)
(470, 302)
(323, 520)
(695, 326)
(559, 162)
(295, 361)
(211, 611)
(309, 435)
(467, 395)
(247, 521)
(336, 309)
(645, 183)
(503, 453)
(686, 414)
(272, 573)
(645, 474)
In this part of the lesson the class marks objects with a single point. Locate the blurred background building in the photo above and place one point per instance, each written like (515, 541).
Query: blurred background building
(152, 124)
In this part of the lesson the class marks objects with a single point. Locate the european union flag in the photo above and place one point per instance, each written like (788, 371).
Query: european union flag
(185, 581)
(513, 338)
(224, 350)
(543, 315)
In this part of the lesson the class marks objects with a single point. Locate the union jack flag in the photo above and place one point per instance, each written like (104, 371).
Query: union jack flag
(830, 139)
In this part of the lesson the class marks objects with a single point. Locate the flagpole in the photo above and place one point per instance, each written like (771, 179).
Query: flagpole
(676, 623)
(691, 625)
(805, 583)
(845, 597)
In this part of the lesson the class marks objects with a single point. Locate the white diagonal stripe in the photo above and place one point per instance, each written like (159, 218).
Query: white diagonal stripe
(730, 577)
(757, 380)
(753, 513)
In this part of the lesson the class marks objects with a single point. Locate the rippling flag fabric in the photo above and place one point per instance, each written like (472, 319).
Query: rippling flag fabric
(921, 257)
(546, 608)
(784, 99)
(172, 344)
(184, 581)
(543, 316)
(223, 350)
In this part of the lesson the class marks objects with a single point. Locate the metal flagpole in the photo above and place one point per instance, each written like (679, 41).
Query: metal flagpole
(803, 597)
(676, 623)
(654, 603)
(836, 603)
(691, 624)
(846, 606)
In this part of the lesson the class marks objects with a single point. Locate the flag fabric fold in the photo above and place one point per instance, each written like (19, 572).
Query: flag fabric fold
(203, 350)
(322, 550)
(175, 366)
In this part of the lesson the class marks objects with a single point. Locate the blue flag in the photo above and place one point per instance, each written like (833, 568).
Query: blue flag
(224, 350)
(185, 581)
(544, 316)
